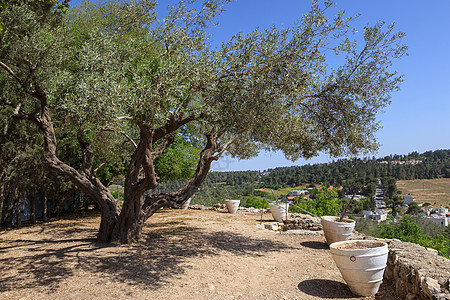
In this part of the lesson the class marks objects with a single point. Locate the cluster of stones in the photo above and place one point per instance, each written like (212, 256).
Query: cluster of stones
(302, 222)
(417, 272)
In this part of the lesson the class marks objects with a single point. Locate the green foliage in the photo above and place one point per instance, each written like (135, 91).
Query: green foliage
(179, 160)
(407, 230)
(325, 203)
(114, 67)
(117, 194)
(347, 172)
(429, 227)
(256, 202)
(263, 194)
(367, 226)
(413, 209)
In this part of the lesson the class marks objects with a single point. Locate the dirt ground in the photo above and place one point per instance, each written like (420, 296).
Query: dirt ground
(184, 254)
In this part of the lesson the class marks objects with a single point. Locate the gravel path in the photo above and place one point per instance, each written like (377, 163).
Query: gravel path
(184, 254)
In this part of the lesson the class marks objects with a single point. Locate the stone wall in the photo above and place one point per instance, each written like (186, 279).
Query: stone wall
(417, 272)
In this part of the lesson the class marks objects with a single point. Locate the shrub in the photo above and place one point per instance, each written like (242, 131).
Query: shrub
(256, 202)
(326, 203)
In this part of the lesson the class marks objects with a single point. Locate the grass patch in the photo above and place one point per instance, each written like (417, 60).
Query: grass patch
(283, 191)
(434, 191)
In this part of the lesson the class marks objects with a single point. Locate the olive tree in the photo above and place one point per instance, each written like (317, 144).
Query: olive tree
(116, 69)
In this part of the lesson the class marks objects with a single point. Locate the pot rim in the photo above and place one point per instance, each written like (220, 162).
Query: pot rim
(332, 219)
(368, 244)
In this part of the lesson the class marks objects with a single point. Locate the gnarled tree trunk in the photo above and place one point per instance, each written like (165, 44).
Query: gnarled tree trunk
(136, 209)
(84, 180)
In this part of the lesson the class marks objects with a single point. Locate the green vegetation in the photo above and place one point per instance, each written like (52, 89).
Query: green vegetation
(409, 229)
(323, 203)
(146, 97)
(281, 190)
(255, 201)
(360, 173)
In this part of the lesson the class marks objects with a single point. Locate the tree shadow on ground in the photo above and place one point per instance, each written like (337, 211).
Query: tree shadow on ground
(324, 288)
(161, 255)
(315, 245)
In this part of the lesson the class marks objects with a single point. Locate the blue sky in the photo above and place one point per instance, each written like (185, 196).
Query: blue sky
(418, 118)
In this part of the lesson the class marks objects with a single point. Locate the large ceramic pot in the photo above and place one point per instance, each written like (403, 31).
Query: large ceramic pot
(335, 230)
(232, 205)
(361, 263)
(279, 211)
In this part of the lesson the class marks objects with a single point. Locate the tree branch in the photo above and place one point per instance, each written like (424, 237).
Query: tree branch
(3, 36)
(163, 146)
(154, 201)
(224, 147)
(125, 118)
(124, 134)
(18, 115)
(87, 155)
(11, 72)
(96, 169)
(172, 125)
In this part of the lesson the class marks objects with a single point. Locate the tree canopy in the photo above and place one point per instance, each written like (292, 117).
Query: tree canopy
(111, 71)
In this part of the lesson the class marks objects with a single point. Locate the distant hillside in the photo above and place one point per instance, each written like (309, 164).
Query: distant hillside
(434, 191)
(427, 165)
(354, 175)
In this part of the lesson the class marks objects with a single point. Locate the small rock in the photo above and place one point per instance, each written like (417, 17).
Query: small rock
(271, 226)
(433, 251)
(442, 296)
(212, 287)
(430, 286)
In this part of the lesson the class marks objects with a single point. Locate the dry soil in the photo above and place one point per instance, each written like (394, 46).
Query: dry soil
(184, 254)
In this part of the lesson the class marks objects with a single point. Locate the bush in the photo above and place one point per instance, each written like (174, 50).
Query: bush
(367, 226)
(256, 202)
(326, 203)
(407, 230)
(262, 194)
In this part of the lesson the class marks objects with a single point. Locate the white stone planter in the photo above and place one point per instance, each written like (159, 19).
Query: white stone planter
(279, 211)
(232, 205)
(336, 231)
(361, 263)
(186, 204)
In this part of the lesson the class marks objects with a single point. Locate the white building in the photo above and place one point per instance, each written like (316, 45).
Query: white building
(367, 214)
(442, 210)
(357, 197)
(378, 216)
(297, 193)
(439, 220)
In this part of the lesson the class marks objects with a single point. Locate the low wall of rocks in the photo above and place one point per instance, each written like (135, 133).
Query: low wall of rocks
(417, 272)
(302, 222)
